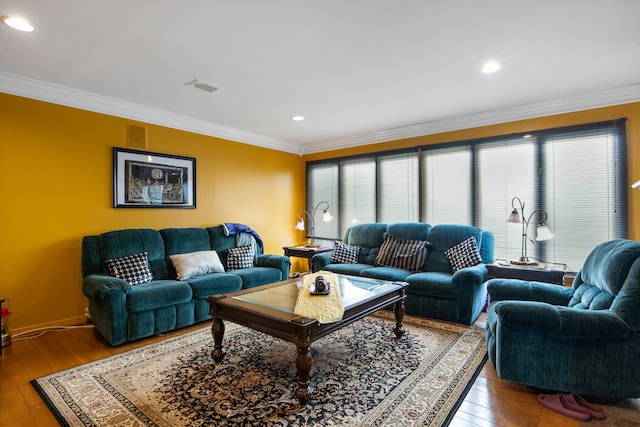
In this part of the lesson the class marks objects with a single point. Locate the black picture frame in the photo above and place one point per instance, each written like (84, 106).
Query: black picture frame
(143, 179)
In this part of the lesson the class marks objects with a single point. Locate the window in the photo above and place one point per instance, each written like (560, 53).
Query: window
(576, 175)
(322, 186)
(398, 184)
(358, 192)
(584, 191)
(505, 169)
(446, 190)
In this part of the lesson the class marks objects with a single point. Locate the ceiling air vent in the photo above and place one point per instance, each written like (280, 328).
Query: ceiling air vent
(202, 85)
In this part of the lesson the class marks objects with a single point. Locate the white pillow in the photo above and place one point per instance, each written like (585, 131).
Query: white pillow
(196, 263)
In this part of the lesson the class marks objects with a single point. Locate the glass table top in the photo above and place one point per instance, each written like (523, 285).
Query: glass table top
(283, 297)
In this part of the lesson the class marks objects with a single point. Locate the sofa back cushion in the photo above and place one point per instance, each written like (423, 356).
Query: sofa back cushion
(220, 242)
(409, 230)
(608, 265)
(369, 237)
(445, 236)
(122, 243)
(183, 241)
(610, 278)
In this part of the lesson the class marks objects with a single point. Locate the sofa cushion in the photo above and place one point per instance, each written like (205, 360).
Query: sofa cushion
(258, 276)
(464, 254)
(349, 269)
(346, 254)
(213, 284)
(157, 294)
(133, 268)
(385, 273)
(196, 263)
(402, 253)
(241, 257)
(433, 284)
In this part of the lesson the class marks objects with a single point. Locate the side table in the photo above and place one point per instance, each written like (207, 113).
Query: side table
(305, 252)
(537, 274)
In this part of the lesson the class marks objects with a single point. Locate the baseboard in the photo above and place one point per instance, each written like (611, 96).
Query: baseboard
(71, 321)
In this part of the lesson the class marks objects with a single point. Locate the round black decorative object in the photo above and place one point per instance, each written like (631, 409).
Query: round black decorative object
(321, 286)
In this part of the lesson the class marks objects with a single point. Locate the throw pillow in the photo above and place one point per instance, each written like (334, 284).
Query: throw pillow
(133, 268)
(403, 253)
(196, 263)
(345, 254)
(241, 257)
(464, 254)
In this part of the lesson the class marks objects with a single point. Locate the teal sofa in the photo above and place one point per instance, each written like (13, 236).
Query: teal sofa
(123, 312)
(435, 289)
(583, 339)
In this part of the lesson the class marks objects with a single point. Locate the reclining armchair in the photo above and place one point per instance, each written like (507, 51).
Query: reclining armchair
(583, 339)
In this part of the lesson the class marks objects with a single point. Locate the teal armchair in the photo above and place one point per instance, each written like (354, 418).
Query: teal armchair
(583, 339)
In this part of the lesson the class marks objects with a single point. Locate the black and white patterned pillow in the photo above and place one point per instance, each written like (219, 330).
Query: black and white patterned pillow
(241, 257)
(133, 268)
(464, 254)
(403, 253)
(345, 254)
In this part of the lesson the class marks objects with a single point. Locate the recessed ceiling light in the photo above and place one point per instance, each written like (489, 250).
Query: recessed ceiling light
(18, 24)
(297, 118)
(490, 67)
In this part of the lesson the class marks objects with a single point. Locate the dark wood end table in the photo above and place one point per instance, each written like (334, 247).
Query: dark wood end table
(305, 252)
(509, 271)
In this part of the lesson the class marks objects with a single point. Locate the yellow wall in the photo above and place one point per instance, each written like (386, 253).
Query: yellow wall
(57, 188)
(630, 111)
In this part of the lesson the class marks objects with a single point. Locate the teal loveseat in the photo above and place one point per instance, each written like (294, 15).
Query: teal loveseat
(123, 312)
(436, 289)
(582, 339)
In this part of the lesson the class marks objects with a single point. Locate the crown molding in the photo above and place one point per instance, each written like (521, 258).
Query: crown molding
(42, 91)
(604, 98)
(62, 95)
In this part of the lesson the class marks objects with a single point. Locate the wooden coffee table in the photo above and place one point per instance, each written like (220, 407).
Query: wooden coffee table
(269, 309)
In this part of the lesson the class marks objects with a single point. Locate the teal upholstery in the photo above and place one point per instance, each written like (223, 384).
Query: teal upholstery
(583, 339)
(436, 291)
(122, 312)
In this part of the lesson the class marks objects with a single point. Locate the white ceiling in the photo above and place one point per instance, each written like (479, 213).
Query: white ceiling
(360, 71)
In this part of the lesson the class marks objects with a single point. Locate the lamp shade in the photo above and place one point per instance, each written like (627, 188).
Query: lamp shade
(514, 217)
(300, 225)
(543, 233)
(326, 216)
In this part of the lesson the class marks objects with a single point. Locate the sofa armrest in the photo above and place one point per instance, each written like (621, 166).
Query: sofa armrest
(522, 290)
(281, 262)
(320, 261)
(476, 274)
(97, 286)
(561, 321)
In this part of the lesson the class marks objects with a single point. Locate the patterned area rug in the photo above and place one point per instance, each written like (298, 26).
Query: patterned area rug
(362, 374)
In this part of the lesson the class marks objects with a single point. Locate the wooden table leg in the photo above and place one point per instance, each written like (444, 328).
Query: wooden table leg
(217, 329)
(303, 366)
(398, 310)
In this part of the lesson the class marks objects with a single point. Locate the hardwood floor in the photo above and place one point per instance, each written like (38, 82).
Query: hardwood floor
(490, 402)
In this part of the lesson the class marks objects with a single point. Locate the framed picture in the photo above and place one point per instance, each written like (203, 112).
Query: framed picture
(152, 180)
